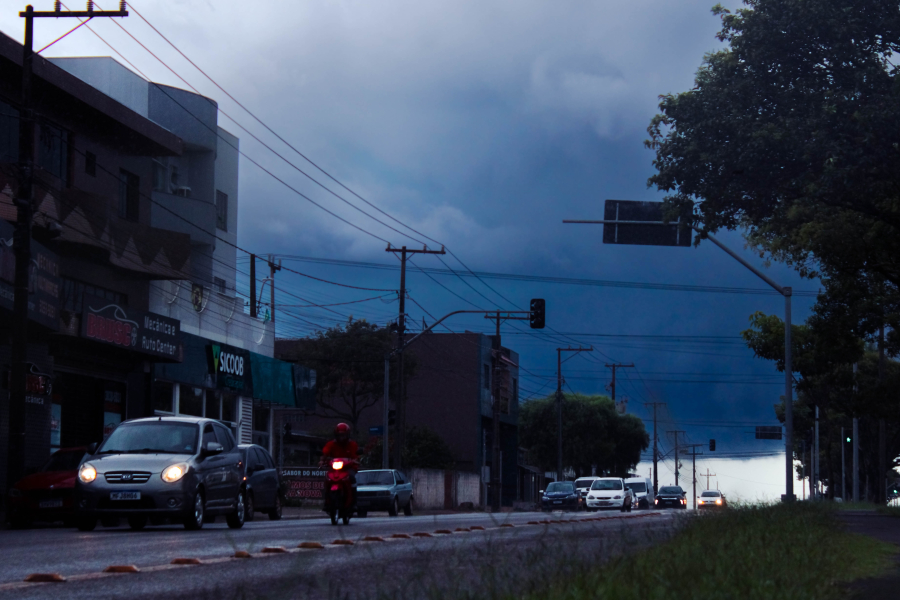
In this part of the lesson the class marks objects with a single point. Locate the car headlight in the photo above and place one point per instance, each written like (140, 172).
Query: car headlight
(87, 473)
(617, 497)
(173, 473)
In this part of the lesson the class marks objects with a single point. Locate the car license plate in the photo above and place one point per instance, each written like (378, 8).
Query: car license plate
(124, 495)
(557, 502)
(51, 504)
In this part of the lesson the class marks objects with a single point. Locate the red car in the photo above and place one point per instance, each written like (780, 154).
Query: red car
(47, 495)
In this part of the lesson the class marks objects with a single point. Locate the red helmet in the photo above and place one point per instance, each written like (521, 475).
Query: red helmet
(342, 428)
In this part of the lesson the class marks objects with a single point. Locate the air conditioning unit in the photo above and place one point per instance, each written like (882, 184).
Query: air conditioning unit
(183, 191)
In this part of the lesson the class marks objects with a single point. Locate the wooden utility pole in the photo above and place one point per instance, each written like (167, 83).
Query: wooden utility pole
(707, 475)
(272, 269)
(614, 366)
(18, 374)
(655, 447)
(400, 437)
(559, 424)
(694, 454)
(676, 432)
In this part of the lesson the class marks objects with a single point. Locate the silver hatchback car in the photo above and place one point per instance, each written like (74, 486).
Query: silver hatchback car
(180, 468)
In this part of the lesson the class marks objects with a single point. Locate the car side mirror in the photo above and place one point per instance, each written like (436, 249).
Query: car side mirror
(213, 448)
(92, 448)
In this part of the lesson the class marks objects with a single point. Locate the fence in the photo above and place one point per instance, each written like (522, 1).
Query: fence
(434, 489)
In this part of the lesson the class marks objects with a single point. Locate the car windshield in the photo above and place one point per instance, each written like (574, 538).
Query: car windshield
(583, 483)
(148, 437)
(560, 486)
(637, 486)
(710, 494)
(607, 484)
(64, 460)
(670, 490)
(375, 478)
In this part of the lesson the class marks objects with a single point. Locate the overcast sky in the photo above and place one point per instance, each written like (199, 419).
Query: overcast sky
(481, 125)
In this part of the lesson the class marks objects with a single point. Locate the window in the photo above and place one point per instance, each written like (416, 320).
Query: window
(209, 435)
(53, 151)
(220, 286)
(515, 390)
(159, 175)
(72, 294)
(487, 377)
(212, 405)
(129, 195)
(90, 164)
(227, 407)
(222, 210)
(256, 458)
(504, 405)
(224, 437)
(162, 396)
(190, 401)
(267, 458)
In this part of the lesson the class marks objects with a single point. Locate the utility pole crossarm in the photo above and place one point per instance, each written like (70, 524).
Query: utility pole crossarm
(559, 395)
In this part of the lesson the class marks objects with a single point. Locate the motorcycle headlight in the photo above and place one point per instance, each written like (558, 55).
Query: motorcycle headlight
(337, 465)
(174, 473)
(87, 473)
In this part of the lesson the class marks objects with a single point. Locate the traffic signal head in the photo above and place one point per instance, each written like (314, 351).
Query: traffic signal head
(848, 439)
(712, 445)
(392, 417)
(537, 313)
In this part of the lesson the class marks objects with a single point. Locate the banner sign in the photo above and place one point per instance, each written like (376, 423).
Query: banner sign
(145, 332)
(43, 280)
(231, 368)
(306, 483)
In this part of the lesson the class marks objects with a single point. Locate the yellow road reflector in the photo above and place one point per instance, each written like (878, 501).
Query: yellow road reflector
(273, 550)
(421, 534)
(45, 578)
(401, 536)
(373, 538)
(242, 554)
(121, 569)
(443, 531)
(311, 545)
(185, 561)
(342, 543)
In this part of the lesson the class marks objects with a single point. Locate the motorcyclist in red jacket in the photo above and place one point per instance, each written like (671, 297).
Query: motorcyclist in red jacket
(343, 447)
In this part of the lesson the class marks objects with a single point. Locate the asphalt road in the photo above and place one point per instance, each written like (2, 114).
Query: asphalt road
(397, 567)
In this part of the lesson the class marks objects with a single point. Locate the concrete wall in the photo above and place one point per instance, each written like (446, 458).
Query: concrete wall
(113, 79)
(433, 489)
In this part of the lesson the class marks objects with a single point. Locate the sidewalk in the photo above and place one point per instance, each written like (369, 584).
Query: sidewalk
(880, 527)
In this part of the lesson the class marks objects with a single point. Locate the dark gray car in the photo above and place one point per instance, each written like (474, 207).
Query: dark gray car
(181, 468)
(262, 481)
(388, 490)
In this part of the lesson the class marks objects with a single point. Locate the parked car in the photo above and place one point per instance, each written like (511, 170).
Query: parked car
(262, 481)
(386, 489)
(560, 495)
(671, 496)
(610, 492)
(642, 488)
(583, 484)
(182, 468)
(712, 499)
(49, 494)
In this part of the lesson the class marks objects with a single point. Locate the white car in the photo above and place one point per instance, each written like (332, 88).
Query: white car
(583, 485)
(642, 488)
(609, 492)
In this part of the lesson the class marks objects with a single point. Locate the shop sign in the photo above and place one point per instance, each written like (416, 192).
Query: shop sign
(307, 484)
(230, 368)
(38, 386)
(43, 279)
(148, 333)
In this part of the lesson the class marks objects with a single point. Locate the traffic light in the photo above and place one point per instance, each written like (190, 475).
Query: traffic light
(712, 445)
(849, 439)
(392, 417)
(537, 313)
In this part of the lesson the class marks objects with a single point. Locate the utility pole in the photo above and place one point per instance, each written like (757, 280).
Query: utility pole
(252, 286)
(816, 463)
(497, 369)
(400, 437)
(707, 475)
(22, 237)
(855, 435)
(272, 269)
(612, 386)
(676, 432)
(843, 469)
(655, 447)
(694, 454)
(559, 396)
(882, 448)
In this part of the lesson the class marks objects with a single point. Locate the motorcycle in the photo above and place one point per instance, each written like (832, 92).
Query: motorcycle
(339, 490)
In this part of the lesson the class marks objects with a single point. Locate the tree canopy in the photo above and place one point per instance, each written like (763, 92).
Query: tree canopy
(790, 134)
(594, 434)
(349, 364)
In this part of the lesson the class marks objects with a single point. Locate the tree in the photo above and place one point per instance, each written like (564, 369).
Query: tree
(349, 365)
(594, 434)
(424, 449)
(790, 134)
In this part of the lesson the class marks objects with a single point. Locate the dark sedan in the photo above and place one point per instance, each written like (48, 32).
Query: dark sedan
(47, 495)
(671, 497)
(263, 482)
(561, 495)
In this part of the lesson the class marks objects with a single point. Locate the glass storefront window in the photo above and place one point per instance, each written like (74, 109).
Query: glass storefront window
(228, 407)
(191, 401)
(212, 404)
(260, 419)
(162, 396)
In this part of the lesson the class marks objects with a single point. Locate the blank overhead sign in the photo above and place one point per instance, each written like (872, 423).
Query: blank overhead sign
(643, 225)
(764, 432)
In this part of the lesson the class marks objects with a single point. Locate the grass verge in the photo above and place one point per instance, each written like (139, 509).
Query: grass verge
(794, 551)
